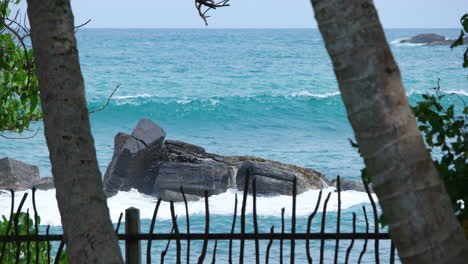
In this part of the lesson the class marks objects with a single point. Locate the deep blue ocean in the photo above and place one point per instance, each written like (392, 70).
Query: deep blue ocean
(270, 93)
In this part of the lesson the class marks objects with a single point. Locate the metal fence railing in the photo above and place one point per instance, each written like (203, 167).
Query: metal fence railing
(22, 245)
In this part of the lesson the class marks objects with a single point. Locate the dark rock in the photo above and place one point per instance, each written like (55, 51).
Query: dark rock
(194, 178)
(277, 179)
(350, 185)
(160, 167)
(132, 160)
(424, 38)
(431, 40)
(17, 175)
(44, 184)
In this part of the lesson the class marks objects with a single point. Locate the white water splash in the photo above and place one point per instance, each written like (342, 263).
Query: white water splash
(309, 94)
(222, 204)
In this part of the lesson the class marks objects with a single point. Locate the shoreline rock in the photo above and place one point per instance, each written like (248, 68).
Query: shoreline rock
(17, 175)
(160, 167)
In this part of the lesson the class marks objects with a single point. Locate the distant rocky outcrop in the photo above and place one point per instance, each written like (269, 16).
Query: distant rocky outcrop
(431, 40)
(145, 160)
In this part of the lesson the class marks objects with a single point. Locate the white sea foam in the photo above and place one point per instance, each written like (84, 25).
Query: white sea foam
(397, 42)
(464, 93)
(185, 100)
(132, 96)
(309, 94)
(222, 204)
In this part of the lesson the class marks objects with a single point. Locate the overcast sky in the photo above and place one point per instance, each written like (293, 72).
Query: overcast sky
(257, 14)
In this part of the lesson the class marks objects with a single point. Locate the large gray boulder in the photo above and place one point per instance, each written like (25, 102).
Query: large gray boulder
(131, 165)
(350, 185)
(44, 184)
(17, 175)
(194, 178)
(274, 178)
(145, 160)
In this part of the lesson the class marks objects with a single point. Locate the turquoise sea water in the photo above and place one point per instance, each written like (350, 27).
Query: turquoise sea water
(263, 92)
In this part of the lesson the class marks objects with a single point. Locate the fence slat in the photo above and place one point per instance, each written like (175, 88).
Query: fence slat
(118, 223)
(16, 228)
(207, 230)
(28, 243)
(133, 237)
(322, 227)
(151, 230)
(213, 260)
(244, 204)
(234, 217)
(376, 223)
(59, 252)
(254, 200)
(36, 224)
(282, 232)
(132, 227)
(309, 224)
(187, 220)
(364, 248)
(176, 231)
(338, 218)
(48, 244)
(267, 256)
(292, 255)
(348, 251)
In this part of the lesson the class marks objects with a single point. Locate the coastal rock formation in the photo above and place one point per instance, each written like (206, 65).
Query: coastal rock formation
(431, 40)
(424, 38)
(17, 175)
(44, 184)
(134, 155)
(146, 161)
(350, 185)
(277, 178)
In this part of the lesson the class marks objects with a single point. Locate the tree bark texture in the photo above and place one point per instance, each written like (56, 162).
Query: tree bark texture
(421, 220)
(88, 230)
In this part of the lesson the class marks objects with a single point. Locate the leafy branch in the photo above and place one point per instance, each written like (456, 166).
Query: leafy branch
(461, 38)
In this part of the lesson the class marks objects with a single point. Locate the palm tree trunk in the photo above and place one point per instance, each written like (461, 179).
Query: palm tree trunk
(411, 193)
(89, 233)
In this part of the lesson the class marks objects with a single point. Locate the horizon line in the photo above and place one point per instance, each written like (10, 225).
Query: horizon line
(252, 28)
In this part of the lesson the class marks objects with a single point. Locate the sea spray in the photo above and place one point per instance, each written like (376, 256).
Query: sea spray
(222, 204)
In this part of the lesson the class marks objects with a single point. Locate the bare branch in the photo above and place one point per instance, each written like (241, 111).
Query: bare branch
(108, 101)
(82, 25)
(3, 136)
(203, 6)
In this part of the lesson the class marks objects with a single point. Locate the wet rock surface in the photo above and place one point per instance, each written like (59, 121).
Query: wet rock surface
(159, 167)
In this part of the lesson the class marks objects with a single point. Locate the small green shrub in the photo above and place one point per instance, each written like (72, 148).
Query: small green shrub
(25, 223)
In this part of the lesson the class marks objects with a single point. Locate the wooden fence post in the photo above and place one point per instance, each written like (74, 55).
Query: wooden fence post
(132, 227)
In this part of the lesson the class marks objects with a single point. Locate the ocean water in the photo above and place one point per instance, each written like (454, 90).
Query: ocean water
(263, 92)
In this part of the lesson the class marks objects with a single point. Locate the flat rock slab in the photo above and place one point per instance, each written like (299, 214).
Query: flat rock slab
(273, 179)
(194, 178)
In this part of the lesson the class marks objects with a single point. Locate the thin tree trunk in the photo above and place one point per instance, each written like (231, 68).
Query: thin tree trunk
(411, 194)
(89, 233)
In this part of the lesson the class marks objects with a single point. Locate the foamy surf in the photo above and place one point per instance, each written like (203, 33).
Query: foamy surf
(309, 94)
(397, 42)
(222, 204)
